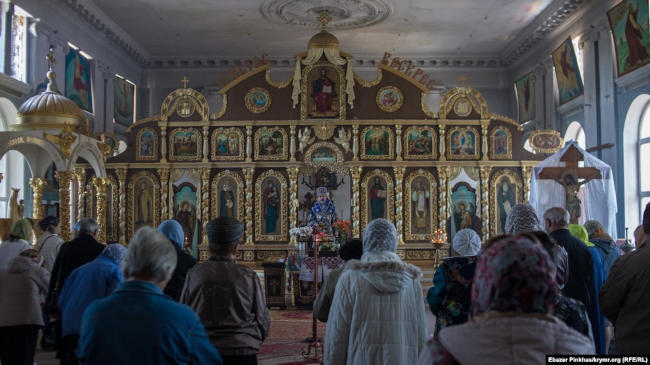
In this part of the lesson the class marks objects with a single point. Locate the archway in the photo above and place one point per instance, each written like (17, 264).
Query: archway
(639, 109)
(575, 132)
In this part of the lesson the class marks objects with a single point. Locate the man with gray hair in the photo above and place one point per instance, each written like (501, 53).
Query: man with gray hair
(138, 323)
(377, 314)
(228, 296)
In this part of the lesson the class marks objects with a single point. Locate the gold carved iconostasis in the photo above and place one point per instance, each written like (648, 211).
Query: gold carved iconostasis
(373, 144)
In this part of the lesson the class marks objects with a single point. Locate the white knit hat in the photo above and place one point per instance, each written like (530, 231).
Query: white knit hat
(466, 242)
(380, 235)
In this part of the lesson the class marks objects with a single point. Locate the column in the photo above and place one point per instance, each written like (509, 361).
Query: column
(442, 198)
(526, 172)
(484, 138)
(64, 178)
(100, 186)
(607, 127)
(292, 143)
(164, 193)
(355, 173)
(249, 143)
(37, 184)
(550, 94)
(293, 201)
(589, 43)
(441, 143)
(249, 173)
(206, 141)
(398, 142)
(485, 205)
(355, 142)
(399, 204)
(163, 144)
(205, 202)
(539, 77)
(121, 177)
(81, 201)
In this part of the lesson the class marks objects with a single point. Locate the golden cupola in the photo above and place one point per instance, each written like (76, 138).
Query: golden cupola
(323, 39)
(50, 109)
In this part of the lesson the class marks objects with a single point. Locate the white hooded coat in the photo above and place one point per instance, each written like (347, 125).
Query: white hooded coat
(377, 315)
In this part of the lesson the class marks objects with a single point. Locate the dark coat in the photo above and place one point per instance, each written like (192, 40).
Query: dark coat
(183, 264)
(610, 252)
(580, 285)
(73, 254)
(624, 300)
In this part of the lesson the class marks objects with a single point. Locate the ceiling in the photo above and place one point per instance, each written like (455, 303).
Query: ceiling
(244, 28)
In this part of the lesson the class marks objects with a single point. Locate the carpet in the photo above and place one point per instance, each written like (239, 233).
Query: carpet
(287, 337)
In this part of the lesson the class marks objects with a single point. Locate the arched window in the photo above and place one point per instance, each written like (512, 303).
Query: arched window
(644, 158)
(636, 160)
(12, 164)
(575, 132)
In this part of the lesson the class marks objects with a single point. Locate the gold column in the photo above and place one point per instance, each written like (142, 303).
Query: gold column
(164, 193)
(205, 202)
(81, 201)
(484, 139)
(526, 172)
(355, 142)
(249, 172)
(399, 203)
(442, 198)
(293, 201)
(398, 142)
(206, 149)
(100, 185)
(249, 143)
(121, 177)
(64, 178)
(442, 144)
(292, 143)
(355, 173)
(37, 184)
(485, 208)
(163, 144)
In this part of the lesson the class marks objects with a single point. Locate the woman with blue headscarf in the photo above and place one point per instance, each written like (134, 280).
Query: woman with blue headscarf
(94, 280)
(174, 232)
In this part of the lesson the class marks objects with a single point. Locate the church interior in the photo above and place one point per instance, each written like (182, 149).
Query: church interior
(306, 120)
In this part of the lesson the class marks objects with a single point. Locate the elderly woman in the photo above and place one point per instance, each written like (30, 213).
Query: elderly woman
(19, 238)
(449, 298)
(377, 315)
(513, 297)
(22, 289)
(184, 261)
(522, 219)
(94, 280)
(49, 243)
(137, 323)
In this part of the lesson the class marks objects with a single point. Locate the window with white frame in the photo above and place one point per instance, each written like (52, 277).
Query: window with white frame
(18, 44)
(644, 159)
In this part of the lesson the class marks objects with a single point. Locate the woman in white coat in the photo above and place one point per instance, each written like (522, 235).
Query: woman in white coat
(377, 314)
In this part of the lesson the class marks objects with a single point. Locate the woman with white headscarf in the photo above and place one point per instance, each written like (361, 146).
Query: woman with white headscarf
(377, 314)
(450, 296)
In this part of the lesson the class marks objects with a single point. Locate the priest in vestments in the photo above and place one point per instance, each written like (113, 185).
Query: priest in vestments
(323, 212)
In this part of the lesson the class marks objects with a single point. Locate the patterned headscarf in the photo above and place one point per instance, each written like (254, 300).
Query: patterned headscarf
(22, 229)
(115, 252)
(466, 242)
(580, 232)
(514, 275)
(522, 219)
(380, 235)
(173, 231)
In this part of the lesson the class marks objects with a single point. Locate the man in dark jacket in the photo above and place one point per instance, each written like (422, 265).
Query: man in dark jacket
(174, 232)
(580, 285)
(599, 237)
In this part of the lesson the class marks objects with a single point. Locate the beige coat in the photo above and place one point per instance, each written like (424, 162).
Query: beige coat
(323, 302)
(22, 289)
(377, 315)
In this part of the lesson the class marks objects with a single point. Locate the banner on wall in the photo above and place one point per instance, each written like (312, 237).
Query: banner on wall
(526, 97)
(78, 80)
(123, 102)
(629, 23)
(569, 81)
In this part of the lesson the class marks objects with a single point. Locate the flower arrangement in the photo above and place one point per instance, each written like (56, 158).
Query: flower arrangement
(301, 232)
(342, 230)
(325, 244)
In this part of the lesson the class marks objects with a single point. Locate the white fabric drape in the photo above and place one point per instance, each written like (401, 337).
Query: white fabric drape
(600, 193)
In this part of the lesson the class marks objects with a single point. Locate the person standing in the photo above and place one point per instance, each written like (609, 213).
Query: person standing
(228, 296)
(49, 243)
(184, 261)
(19, 238)
(137, 323)
(21, 288)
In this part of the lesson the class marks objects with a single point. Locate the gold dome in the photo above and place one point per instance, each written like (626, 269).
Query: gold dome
(323, 39)
(50, 110)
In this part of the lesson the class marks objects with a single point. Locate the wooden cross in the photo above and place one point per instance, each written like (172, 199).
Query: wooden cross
(185, 80)
(571, 177)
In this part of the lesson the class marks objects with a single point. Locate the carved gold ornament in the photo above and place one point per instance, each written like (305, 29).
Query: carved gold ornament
(324, 130)
(462, 107)
(389, 99)
(257, 100)
(64, 140)
(281, 224)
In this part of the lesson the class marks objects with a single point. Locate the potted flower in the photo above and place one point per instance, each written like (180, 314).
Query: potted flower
(342, 231)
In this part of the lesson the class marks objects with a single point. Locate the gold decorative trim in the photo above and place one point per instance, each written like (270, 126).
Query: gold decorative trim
(138, 155)
(425, 108)
(143, 121)
(259, 236)
(199, 142)
(64, 140)
(433, 198)
(240, 145)
(156, 198)
(391, 108)
(477, 141)
(113, 236)
(279, 85)
(434, 145)
(532, 136)
(405, 77)
(240, 193)
(243, 77)
(197, 99)
(501, 118)
(224, 106)
(305, 89)
(253, 108)
(365, 203)
(391, 151)
(277, 156)
(449, 100)
(324, 130)
(461, 112)
(332, 165)
(515, 181)
(365, 83)
(508, 155)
